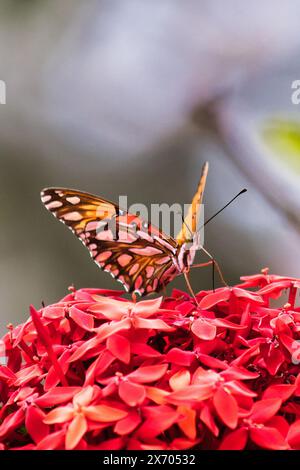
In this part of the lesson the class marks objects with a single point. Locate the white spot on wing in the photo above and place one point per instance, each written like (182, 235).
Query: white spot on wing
(54, 205)
(46, 198)
(73, 199)
(72, 216)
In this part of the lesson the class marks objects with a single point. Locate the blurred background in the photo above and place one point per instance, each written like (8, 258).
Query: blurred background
(131, 97)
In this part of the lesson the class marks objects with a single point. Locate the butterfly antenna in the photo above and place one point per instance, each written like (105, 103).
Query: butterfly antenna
(224, 207)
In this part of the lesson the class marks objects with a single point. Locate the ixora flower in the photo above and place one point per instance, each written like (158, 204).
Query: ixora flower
(98, 371)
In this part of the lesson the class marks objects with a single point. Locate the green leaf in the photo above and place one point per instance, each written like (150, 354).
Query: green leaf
(282, 136)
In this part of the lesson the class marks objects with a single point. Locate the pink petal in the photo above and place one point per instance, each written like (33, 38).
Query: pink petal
(76, 430)
(104, 413)
(204, 330)
(84, 320)
(210, 300)
(180, 380)
(147, 308)
(192, 393)
(112, 309)
(59, 415)
(84, 397)
(152, 324)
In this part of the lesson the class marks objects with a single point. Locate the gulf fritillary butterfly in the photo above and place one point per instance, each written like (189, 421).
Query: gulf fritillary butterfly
(140, 256)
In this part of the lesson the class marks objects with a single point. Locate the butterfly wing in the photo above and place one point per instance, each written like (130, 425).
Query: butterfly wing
(189, 226)
(133, 251)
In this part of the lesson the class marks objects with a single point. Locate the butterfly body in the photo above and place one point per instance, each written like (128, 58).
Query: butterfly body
(133, 251)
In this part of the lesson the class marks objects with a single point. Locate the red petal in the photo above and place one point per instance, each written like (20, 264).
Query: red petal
(7, 374)
(293, 436)
(56, 396)
(158, 420)
(207, 418)
(11, 423)
(274, 360)
(100, 365)
(282, 391)
(268, 438)
(212, 362)
(143, 350)
(239, 373)
(119, 347)
(264, 410)
(45, 338)
(235, 440)
(188, 422)
(148, 374)
(52, 441)
(280, 424)
(35, 426)
(180, 357)
(131, 393)
(252, 296)
(226, 407)
(25, 375)
(127, 424)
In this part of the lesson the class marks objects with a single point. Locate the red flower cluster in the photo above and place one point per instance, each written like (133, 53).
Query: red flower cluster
(96, 371)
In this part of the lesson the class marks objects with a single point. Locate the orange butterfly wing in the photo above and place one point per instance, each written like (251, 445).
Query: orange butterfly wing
(134, 252)
(189, 227)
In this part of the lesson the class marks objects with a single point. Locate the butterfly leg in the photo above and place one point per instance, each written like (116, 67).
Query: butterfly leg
(208, 263)
(187, 280)
(215, 265)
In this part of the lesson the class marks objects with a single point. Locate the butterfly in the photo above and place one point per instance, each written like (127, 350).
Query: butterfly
(133, 251)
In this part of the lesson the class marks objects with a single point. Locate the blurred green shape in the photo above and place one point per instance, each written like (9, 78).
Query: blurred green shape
(282, 136)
